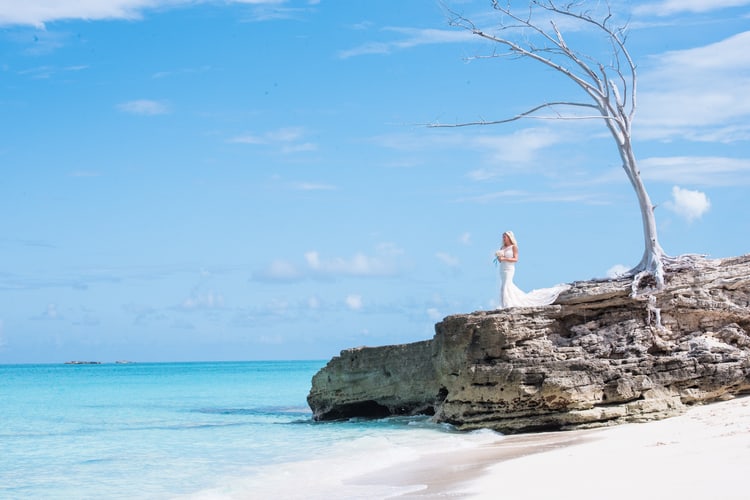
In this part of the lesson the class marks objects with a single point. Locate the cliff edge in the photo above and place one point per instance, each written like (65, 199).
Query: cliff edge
(597, 356)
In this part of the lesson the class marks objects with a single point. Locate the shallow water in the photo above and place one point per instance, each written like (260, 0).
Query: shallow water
(194, 430)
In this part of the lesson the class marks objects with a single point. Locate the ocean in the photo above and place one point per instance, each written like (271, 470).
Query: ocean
(228, 430)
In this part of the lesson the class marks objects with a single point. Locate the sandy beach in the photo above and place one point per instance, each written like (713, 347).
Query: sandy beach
(702, 454)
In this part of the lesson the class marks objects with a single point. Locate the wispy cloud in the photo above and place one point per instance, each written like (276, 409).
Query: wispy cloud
(354, 302)
(143, 107)
(386, 261)
(82, 279)
(280, 270)
(80, 282)
(37, 42)
(434, 314)
(50, 313)
(521, 147)
(520, 196)
(313, 186)
(616, 270)
(697, 170)
(275, 11)
(21, 243)
(671, 7)
(184, 71)
(44, 72)
(697, 94)
(407, 38)
(200, 301)
(85, 173)
(448, 259)
(39, 12)
(359, 264)
(144, 314)
(288, 140)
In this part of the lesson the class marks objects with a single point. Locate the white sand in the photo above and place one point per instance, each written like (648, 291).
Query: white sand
(704, 454)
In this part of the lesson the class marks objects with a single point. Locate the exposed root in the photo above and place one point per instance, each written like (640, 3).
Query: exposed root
(682, 262)
(649, 274)
(654, 314)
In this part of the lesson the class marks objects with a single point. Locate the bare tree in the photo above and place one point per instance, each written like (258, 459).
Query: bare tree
(535, 32)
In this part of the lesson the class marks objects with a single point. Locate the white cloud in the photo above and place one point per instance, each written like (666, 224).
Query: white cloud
(389, 249)
(279, 270)
(41, 43)
(47, 71)
(617, 270)
(288, 140)
(520, 147)
(282, 135)
(698, 94)
(357, 265)
(689, 204)
(85, 173)
(301, 147)
(51, 312)
(697, 170)
(447, 259)
(434, 314)
(670, 7)
(354, 302)
(208, 300)
(143, 107)
(408, 38)
(465, 238)
(587, 197)
(39, 12)
(385, 262)
(183, 71)
(248, 139)
(312, 186)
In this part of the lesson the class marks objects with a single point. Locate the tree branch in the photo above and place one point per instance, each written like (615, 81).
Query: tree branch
(527, 114)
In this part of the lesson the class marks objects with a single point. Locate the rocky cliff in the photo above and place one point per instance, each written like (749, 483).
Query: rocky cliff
(601, 354)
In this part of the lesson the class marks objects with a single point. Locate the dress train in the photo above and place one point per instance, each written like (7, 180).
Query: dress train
(512, 296)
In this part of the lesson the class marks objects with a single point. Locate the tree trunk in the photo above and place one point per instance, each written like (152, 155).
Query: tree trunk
(651, 262)
(611, 86)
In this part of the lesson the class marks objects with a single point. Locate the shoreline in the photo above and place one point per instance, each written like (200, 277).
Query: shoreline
(440, 474)
(700, 454)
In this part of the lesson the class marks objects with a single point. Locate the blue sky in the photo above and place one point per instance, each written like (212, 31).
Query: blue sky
(231, 180)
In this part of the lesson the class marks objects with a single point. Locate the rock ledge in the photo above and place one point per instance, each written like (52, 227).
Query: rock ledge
(598, 356)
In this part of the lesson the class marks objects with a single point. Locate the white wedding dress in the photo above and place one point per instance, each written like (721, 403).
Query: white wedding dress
(512, 296)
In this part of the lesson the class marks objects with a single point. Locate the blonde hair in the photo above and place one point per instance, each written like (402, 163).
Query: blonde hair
(511, 237)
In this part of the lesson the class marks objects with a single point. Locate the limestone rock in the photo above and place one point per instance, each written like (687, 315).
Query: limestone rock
(597, 356)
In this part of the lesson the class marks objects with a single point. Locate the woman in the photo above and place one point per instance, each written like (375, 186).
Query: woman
(510, 294)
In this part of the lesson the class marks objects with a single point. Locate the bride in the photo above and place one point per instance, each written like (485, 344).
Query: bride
(510, 294)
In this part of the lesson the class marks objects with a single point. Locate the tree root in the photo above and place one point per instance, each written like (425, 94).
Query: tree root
(646, 282)
(650, 273)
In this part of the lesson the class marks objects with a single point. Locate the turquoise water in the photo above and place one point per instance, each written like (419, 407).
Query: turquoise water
(193, 430)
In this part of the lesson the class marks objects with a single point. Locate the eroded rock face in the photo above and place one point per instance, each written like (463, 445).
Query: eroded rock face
(597, 356)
